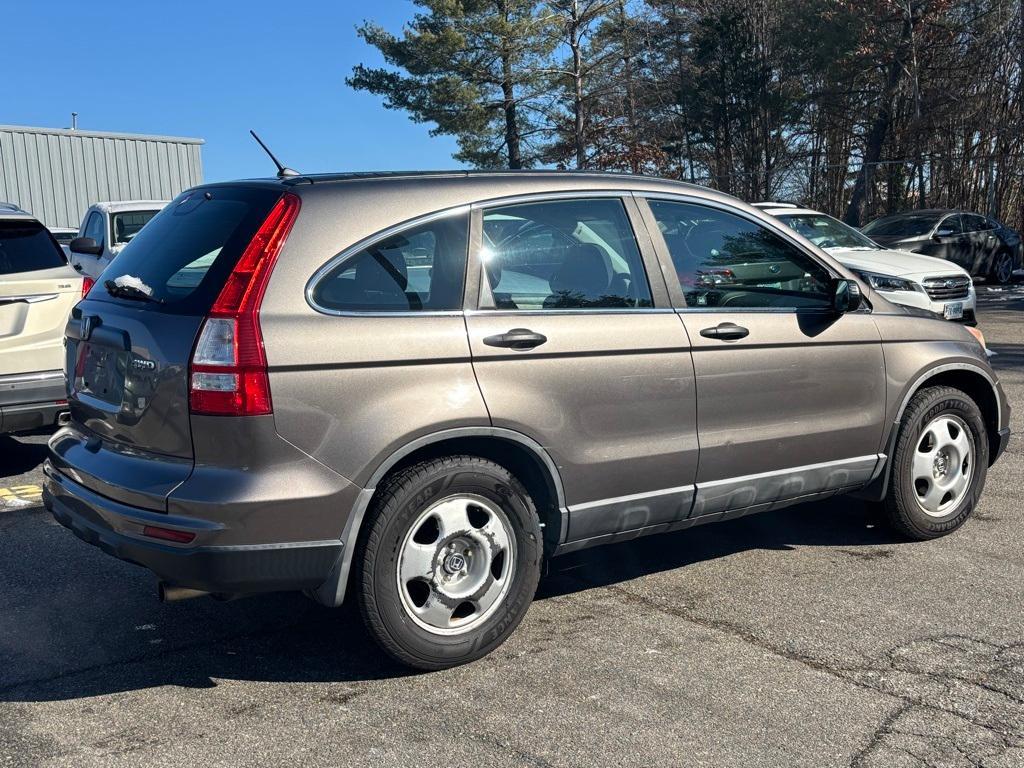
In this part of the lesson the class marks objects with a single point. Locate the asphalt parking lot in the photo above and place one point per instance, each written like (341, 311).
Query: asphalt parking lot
(810, 636)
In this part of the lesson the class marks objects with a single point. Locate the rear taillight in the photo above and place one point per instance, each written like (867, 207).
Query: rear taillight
(228, 370)
(87, 284)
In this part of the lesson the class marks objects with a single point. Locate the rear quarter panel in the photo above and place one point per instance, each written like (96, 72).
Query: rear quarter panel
(351, 390)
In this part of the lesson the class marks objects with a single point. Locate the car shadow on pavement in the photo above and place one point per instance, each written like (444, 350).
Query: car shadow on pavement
(75, 623)
(18, 457)
(838, 522)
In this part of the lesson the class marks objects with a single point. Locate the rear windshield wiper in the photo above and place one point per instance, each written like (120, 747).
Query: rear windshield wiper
(129, 292)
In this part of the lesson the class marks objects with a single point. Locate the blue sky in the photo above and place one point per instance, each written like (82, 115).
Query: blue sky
(214, 70)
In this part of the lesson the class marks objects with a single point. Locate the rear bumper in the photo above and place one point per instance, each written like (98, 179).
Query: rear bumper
(31, 401)
(226, 569)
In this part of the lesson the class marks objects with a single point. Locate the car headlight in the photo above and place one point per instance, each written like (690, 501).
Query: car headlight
(887, 282)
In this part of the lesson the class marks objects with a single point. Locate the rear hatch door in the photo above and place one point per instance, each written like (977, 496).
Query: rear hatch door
(129, 344)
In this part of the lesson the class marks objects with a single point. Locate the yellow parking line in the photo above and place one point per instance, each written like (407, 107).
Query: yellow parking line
(20, 495)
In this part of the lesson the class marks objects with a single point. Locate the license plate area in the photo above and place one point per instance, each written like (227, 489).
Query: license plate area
(954, 311)
(100, 373)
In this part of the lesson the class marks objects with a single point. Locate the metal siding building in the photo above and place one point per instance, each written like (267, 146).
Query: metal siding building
(56, 174)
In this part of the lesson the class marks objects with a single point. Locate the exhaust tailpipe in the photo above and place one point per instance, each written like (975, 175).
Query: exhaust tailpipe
(168, 593)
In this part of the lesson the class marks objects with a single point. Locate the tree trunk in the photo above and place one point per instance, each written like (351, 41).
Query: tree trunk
(508, 105)
(575, 24)
(880, 126)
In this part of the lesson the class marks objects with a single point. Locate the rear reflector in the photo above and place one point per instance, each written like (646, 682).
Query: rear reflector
(168, 534)
(228, 370)
(87, 284)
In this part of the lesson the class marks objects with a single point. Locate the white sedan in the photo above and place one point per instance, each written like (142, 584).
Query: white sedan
(907, 278)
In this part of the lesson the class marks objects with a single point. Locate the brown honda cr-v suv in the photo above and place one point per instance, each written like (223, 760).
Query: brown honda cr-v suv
(418, 386)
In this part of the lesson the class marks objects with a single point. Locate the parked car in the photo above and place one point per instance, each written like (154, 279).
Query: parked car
(64, 235)
(903, 277)
(106, 229)
(352, 382)
(37, 290)
(979, 244)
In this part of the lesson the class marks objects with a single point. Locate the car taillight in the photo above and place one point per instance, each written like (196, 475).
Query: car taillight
(87, 284)
(228, 369)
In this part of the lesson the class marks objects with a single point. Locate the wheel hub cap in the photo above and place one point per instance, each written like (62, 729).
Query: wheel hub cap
(455, 565)
(943, 465)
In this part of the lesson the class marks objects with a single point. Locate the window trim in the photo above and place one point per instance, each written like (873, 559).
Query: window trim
(484, 304)
(769, 222)
(366, 242)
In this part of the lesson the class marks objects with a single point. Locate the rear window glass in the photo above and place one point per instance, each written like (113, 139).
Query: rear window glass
(127, 225)
(26, 246)
(183, 256)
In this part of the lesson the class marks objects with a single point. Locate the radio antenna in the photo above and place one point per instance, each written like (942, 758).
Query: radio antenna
(282, 171)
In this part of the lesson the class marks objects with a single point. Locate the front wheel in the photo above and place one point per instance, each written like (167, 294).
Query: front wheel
(939, 464)
(450, 562)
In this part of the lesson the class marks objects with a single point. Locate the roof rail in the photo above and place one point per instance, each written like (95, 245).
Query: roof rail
(774, 205)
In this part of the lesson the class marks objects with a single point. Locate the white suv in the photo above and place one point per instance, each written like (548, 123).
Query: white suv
(907, 278)
(38, 288)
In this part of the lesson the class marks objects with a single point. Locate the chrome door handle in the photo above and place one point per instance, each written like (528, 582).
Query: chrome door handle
(726, 332)
(517, 338)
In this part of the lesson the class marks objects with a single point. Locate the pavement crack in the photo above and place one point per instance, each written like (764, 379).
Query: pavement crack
(884, 729)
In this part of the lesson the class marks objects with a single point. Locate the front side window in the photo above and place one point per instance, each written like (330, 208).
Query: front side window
(127, 225)
(563, 254)
(422, 268)
(951, 225)
(94, 228)
(725, 260)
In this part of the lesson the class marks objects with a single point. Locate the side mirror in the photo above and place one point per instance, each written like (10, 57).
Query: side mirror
(846, 296)
(85, 245)
(944, 232)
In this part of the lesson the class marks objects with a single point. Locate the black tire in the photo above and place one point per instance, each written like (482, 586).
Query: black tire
(905, 513)
(1002, 268)
(399, 504)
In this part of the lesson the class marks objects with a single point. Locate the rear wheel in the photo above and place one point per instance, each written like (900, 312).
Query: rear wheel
(450, 561)
(1002, 268)
(939, 464)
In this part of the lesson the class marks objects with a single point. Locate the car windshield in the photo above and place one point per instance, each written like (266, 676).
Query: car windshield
(904, 226)
(826, 232)
(127, 225)
(26, 246)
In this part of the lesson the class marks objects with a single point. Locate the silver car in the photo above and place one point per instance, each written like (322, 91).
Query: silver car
(417, 387)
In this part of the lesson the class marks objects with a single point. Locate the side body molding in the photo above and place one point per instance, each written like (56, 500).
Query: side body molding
(332, 592)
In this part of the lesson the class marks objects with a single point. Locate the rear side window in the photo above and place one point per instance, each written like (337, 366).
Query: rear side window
(563, 254)
(183, 256)
(975, 223)
(26, 246)
(422, 268)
